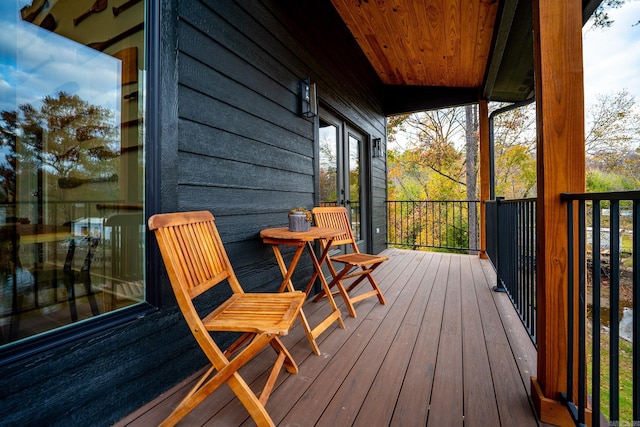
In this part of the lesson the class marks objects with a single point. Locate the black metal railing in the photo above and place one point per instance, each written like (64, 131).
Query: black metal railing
(511, 247)
(604, 347)
(450, 225)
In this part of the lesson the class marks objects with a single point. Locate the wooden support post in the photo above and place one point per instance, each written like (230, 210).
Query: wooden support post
(485, 177)
(561, 168)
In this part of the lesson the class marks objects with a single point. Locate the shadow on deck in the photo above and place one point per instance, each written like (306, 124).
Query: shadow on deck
(445, 350)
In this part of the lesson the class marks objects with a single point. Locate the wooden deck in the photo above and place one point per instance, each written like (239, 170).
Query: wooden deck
(445, 350)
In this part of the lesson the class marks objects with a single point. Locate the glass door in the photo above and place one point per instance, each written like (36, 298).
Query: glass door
(352, 191)
(341, 171)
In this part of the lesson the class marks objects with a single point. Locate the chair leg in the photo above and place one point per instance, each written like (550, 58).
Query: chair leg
(256, 409)
(273, 377)
(91, 296)
(337, 281)
(240, 388)
(288, 362)
(372, 281)
(227, 372)
(377, 288)
(71, 299)
(347, 301)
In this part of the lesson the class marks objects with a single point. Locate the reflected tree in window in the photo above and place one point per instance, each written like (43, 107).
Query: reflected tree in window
(71, 141)
(8, 149)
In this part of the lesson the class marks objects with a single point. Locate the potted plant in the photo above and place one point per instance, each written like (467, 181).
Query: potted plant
(300, 219)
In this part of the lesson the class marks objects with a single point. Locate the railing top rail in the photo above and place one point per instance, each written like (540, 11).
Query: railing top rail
(24, 202)
(614, 195)
(432, 201)
(529, 199)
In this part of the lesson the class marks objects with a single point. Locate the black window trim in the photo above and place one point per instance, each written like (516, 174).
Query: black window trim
(47, 341)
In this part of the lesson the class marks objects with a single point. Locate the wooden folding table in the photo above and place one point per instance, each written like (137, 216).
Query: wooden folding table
(301, 239)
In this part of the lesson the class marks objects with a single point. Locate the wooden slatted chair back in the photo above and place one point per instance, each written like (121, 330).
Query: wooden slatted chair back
(193, 252)
(336, 217)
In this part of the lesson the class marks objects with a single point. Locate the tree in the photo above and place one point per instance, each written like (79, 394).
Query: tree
(471, 162)
(69, 137)
(56, 147)
(432, 166)
(8, 168)
(601, 17)
(433, 150)
(515, 152)
(437, 159)
(614, 130)
(328, 171)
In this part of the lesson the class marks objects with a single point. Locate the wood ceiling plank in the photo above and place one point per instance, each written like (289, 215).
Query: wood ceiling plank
(399, 21)
(435, 14)
(423, 45)
(452, 34)
(486, 19)
(469, 13)
(423, 42)
(393, 37)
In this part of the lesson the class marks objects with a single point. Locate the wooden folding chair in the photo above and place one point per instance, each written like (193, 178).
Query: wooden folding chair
(356, 264)
(196, 261)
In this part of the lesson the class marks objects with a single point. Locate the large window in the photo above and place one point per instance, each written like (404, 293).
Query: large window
(72, 79)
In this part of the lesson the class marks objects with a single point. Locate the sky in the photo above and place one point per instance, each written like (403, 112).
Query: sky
(611, 56)
(40, 63)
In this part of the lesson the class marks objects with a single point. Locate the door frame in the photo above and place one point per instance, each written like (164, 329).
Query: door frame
(346, 128)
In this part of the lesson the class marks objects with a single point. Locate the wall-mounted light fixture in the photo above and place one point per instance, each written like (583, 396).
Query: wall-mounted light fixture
(308, 101)
(376, 147)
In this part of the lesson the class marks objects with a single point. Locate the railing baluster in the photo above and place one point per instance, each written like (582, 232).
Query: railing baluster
(596, 307)
(636, 308)
(582, 315)
(614, 301)
(570, 297)
(432, 224)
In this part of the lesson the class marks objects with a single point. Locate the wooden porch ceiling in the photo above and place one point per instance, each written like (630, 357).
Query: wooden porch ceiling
(437, 53)
(423, 42)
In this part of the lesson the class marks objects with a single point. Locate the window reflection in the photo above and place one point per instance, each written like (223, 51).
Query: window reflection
(354, 185)
(71, 162)
(328, 164)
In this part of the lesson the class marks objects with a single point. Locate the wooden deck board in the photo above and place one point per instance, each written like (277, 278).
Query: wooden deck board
(478, 383)
(444, 350)
(347, 402)
(322, 390)
(379, 405)
(412, 407)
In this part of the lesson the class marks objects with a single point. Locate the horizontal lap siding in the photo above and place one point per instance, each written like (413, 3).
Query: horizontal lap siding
(334, 62)
(244, 151)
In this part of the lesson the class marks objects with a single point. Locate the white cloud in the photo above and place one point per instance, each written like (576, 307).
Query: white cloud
(35, 63)
(612, 55)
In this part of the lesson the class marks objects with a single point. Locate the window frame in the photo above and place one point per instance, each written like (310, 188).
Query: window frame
(48, 341)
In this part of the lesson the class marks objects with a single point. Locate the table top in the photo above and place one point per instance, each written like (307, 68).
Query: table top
(35, 233)
(283, 233)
